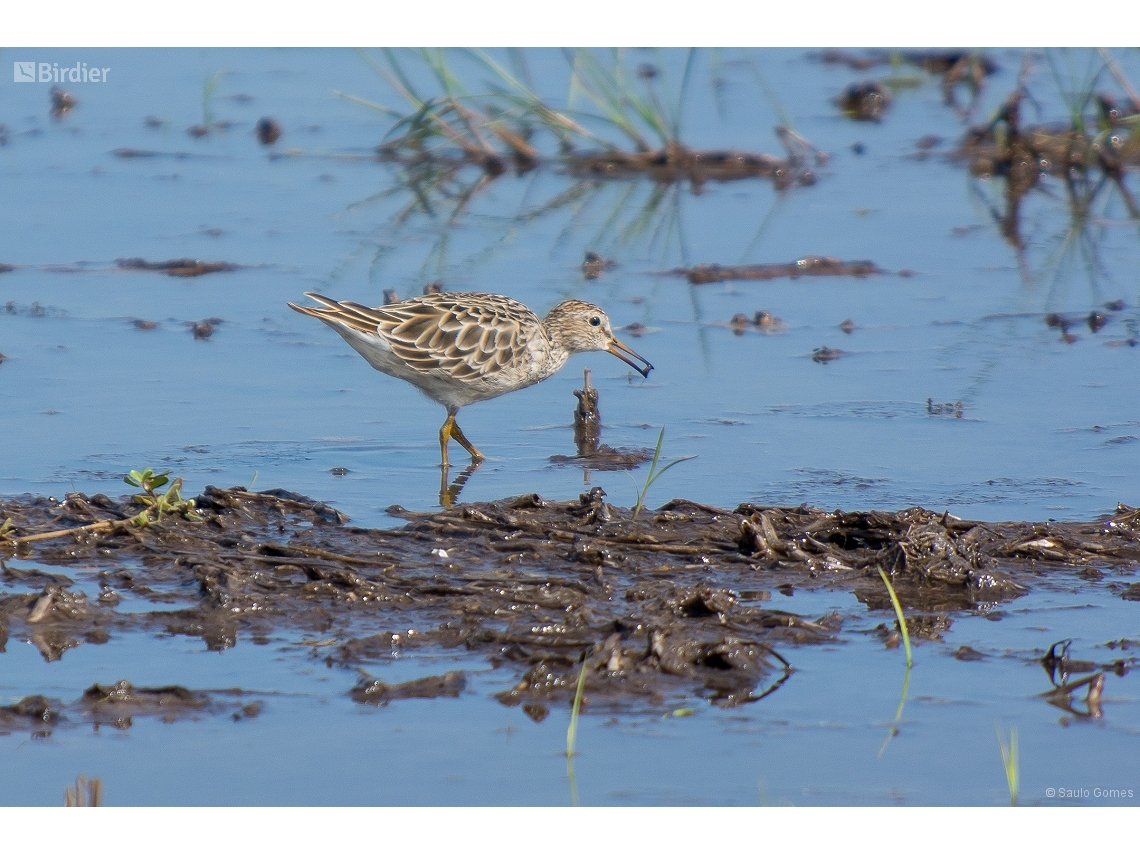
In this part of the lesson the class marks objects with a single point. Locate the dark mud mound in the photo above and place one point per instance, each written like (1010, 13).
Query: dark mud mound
(665, 605)
(118, 705)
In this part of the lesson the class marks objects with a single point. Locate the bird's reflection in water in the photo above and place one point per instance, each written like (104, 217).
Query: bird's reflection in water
(449, 493)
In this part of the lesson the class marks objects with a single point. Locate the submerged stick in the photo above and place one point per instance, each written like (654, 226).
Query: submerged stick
(104, 525)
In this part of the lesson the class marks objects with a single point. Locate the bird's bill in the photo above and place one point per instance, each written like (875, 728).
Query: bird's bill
(620, 350)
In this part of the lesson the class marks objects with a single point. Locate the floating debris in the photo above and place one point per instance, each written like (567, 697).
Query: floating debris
(36, 310)
(811, 265)
(202, 330)
(268, 131)
(184, 267)
(864, 102)
(129, 153)
(62, 102)
(765, 321)
(675, 162)
(1087, 156)
(379, 693)
(140, 324)
(965, 653)
(824, 355)
(956, 409)
(954, 66)
(594, 265)
(1058, 321)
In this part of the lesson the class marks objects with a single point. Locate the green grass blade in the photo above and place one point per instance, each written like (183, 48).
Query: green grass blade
(572, 730)
(1009, 762)
(654, 473)
(899, 614)
(364, 102)
(682, 97)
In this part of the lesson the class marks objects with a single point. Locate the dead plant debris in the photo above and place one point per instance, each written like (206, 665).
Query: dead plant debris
(811, 265)
(865, 101)
(184, 267)
(665, 605)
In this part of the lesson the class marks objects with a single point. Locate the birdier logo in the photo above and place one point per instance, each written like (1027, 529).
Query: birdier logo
(50, 72)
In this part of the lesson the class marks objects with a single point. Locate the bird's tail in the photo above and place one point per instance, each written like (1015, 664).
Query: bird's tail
(340, 313)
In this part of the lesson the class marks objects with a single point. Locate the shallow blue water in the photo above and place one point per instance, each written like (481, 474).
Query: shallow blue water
(1048, 430)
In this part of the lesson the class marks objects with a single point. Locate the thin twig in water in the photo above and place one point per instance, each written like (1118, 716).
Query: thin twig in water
(86, 793)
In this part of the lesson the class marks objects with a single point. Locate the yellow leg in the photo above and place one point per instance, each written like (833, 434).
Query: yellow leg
(476, 454)
(444, 436)
(451, 429)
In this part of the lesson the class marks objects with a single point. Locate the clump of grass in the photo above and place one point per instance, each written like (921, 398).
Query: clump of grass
(611, 89)
(655, 473)
(898, 614)
(1009, 762)
(449, 122)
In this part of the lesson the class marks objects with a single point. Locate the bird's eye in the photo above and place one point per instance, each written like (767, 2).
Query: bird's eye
(595, 321)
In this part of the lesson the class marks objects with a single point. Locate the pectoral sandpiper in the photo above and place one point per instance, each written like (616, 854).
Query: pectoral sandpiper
(461, 348)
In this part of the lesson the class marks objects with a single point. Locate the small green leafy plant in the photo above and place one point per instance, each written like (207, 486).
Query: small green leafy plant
(155, 505)
(655, 473)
